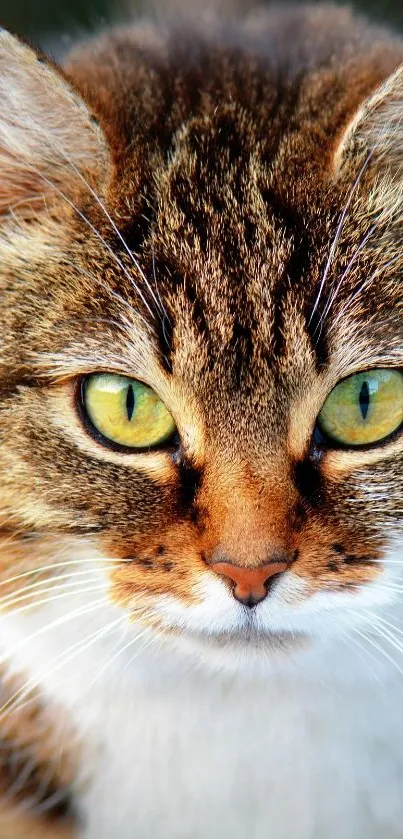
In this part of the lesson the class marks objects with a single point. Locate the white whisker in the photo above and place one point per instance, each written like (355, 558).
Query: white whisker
(119, 235)
(114, 294)
(64, 658)
(75, 613)
(41, 602)
(363, 653)
(364, 285)
(50, 581)
(344, 276)
(380, 649)
(338, 233)
(100, 238)
(61, 565)
(388, 636)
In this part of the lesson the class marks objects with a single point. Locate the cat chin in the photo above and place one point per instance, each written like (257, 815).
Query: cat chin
(246, 652)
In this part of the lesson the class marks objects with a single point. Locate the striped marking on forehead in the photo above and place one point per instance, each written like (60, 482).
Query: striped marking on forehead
(254, 305)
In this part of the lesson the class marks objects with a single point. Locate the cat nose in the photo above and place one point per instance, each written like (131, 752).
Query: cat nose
(251, 584)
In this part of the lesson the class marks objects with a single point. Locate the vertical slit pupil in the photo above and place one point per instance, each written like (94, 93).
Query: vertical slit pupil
(130, 401)
(364, 399)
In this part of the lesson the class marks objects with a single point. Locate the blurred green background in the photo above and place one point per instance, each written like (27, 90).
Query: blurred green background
(63, 20)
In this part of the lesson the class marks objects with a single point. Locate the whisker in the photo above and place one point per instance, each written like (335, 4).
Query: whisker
(33, 699)
(165, 316)
(44, 601)
(388, 636)
(99, 237)
(62, 564)
(394, 587)
(364, 285)
(119, 235)
(338, 233)
(380, 649)
(72, 615)
(20, 780)
(68, 655)
(366, 654)
(116, 655)
(113, 225)
(344, 277)
(44, 806)
(388, 561)
(120, 299)
(154, 637)
(69, 579)
(394, 626)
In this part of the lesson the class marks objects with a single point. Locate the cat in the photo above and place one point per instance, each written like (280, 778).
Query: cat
(201, 456)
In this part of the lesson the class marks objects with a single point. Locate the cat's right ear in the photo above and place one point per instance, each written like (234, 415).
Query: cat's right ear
(375, 133)
(49, 140)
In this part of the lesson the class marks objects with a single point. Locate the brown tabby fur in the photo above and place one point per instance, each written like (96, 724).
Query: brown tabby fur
(230, 161)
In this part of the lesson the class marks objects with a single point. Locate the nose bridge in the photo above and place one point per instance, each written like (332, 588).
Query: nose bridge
(247, 513)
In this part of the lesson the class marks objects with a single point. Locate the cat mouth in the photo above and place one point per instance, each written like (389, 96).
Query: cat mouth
(248, 638)
(247, 634)
(251, 637)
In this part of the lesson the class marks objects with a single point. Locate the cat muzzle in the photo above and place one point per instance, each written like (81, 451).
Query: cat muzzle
(251, 585)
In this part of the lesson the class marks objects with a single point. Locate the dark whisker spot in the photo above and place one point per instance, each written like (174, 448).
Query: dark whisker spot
(332, 566)
(167, 566)
(146, 562)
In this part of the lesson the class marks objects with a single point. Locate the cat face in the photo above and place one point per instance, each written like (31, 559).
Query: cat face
(212, 263)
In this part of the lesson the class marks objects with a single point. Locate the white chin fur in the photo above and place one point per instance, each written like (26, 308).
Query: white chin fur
(290, 608)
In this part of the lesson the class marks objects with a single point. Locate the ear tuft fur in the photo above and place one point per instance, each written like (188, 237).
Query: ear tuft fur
(48, 137)
(376, 130)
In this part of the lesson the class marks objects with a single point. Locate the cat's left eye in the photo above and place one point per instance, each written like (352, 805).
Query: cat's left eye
(363, 409)
(126, 412)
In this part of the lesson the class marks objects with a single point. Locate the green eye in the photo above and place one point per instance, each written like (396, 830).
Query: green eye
(126, 412)
(364, 409)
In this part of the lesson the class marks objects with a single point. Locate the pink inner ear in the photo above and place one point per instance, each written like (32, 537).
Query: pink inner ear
(47, 134)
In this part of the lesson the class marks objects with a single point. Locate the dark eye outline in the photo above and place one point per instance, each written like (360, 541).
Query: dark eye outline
(323, 442)
(170, 446)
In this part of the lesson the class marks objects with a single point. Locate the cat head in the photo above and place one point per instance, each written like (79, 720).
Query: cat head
(201, 324)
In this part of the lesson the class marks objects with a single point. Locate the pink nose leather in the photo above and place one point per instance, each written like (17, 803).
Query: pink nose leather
(250, 583)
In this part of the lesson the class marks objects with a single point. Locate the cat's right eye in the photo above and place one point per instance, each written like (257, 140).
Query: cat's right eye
(126, 412)
(363, 409)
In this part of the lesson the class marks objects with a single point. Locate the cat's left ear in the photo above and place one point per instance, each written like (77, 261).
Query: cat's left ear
(49, 140)
(375, 133)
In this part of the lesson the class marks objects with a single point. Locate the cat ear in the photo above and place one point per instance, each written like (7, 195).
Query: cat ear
(375, 134)
(49, 140)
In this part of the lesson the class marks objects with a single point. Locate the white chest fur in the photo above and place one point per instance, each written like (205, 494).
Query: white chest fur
(290, 759)
(312, 749)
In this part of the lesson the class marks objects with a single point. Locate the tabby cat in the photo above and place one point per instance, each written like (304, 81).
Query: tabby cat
(201, 432)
